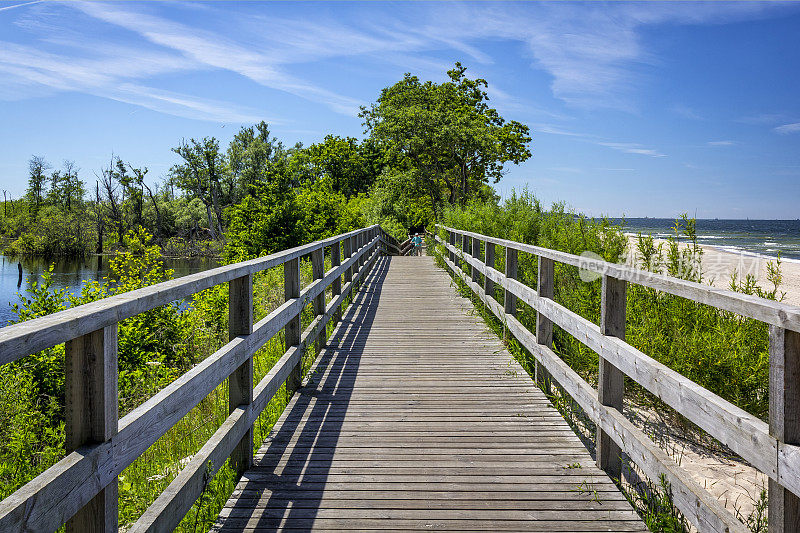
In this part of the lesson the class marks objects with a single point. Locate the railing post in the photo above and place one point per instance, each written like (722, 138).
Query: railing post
(318, 271)
(91, 415)
(611, 381)
(451, 239)
(476, 254)
(353, 250)
(240, 382)
(544, 326)
(510, 301)
(465, 249)
(347, 249)
(784, 421)
(488, 284)
(336, 286)
(291, 289)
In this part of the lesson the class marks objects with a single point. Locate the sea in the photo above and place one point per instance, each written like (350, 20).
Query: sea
(766, 238)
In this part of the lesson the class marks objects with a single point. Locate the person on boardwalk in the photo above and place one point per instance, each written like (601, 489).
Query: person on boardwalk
(417, 241)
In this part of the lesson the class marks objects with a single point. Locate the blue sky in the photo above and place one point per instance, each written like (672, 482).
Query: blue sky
(635, 109)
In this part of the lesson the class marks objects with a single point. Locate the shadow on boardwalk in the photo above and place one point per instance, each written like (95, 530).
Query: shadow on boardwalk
(297, 474)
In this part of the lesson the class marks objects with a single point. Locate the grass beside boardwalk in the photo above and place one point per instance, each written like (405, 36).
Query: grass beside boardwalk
(155, 348)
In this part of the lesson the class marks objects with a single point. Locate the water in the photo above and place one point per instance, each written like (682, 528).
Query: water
(70, 274)
(753, 237)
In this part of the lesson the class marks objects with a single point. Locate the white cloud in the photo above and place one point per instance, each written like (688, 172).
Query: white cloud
(223, 53)
(788, 128)
(721, 143)
(31, 71)
(593, 53)
(556, 130)
(6, 8)
(632, 148)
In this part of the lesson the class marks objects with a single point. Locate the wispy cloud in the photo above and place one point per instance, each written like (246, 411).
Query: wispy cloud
(686, 112)
(721, 143)
(223, 53)
(593, 54)
(106, 76)
(633, 148)
(556, 130)
(788, 128)
(6, 8)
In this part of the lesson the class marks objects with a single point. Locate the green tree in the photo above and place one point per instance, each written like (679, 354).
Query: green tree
(204, 175)
(350, 166)
(266, 221)
(447, 133)
(37, 166)
(250, 154)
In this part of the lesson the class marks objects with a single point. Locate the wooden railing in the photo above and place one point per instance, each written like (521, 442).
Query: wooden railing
(771, 448)
(81, 489)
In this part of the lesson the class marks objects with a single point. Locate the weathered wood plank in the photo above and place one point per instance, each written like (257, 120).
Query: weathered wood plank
(611, 381)
(371, 423)
(240, 382)
(91, 416)
(784, 425)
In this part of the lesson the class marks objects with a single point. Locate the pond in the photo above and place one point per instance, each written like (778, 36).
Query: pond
(70, 274)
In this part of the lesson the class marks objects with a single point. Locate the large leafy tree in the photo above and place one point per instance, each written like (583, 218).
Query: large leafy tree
(446, 134)
(350, 166)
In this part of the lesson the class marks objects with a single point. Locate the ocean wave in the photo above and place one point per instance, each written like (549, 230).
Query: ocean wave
(741, 251)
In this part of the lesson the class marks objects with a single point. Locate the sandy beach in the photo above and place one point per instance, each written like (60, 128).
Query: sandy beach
(719, 264)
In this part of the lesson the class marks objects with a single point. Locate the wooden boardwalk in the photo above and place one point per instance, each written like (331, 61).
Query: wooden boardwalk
(416, 418)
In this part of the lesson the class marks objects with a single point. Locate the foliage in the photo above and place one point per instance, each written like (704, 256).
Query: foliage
(265, 221)
(447, 134)
(725, 353)
(349, 167)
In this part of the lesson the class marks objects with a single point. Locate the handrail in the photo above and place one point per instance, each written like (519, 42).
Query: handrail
(81, 489)
(769, 448)
(769, 311)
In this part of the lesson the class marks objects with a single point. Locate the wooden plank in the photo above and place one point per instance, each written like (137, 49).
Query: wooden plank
(476, 253)
(611, 381)
(544, 326)
(318, 271)
(489, 261)
(336, 286)
(240, 382)
(784, 424)
(291, 335)
(774, 313)
(91, 416)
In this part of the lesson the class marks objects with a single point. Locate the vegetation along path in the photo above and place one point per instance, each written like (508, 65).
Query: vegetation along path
(417, 418)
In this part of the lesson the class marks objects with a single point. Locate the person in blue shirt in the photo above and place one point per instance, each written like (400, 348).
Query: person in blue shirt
(417, 241)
